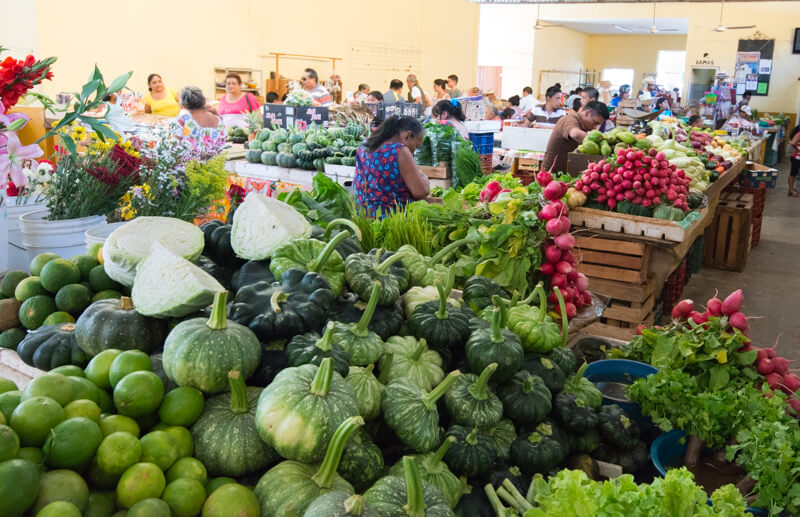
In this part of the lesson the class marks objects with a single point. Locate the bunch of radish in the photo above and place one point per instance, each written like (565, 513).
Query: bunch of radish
(559, 262)
(643, 178)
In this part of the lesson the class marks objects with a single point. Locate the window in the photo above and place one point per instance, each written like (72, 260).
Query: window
(670, 69)
(618, 77)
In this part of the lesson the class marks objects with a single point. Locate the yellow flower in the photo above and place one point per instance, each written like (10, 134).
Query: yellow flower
(722, 356)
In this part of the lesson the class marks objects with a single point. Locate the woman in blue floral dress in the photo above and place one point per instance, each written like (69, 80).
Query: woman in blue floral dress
(199, 130)
(386, 174)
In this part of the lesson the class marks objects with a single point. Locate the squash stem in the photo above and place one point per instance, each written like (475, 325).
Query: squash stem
(324, 476)
(448, 442)
(239, 402)
(416, 496)
(542, 302)
(318, 263)
(497, 329)
(472, 437)
(276, 299)
(219, 318)
(383, 378)
(430, 398)
(564, 319)
(480, 389)
(347, 224)
(361, 330)
(384, 266)
(421, 347)
(354, 505)
(325, 343)
(509, 499)
(444, 252)
(521, 504)
(497, 506)
(442, 312)
(125, 303)
(322, 381)
(528, 299)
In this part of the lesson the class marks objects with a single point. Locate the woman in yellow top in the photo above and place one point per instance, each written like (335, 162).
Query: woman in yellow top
(161, 100)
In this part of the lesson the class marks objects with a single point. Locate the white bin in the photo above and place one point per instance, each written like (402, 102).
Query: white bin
(65, 238)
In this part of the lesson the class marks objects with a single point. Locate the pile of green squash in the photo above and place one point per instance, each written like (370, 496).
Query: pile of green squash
(333, 380)
(310, 149)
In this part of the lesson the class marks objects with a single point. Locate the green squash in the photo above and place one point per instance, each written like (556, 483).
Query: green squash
(310, 348)
(441, 326)
(312, 255)
(217, 236)
(503, 434)
(364, 346)
(407, 496)
(298, 303)
(573, 414)
(411, 411)
(495, 345)
(417, 296)
(363, 269)
(435, 471)
(340, 504)
(473, 452)
(526, 398)
(200, 353)
(478, 292)
(285, 160)
(411, 360)
(300, 410)
(294, 485)
(584, 443)
(225, 436)
(472, 403)
(538, 451)
(565, 359)
(253, 155)
(617, 428)
(424, 270)
(362, 461)
(539, 333)
(114, 323)
(52, 346)
(583, 388)
(251, 272)
(545, 369)
(270, 155)
(386, 321)
(368, 389)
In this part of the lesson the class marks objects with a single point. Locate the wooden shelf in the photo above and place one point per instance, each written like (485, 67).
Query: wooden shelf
(248, 75)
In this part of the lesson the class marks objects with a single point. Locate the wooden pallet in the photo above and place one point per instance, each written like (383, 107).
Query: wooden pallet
(615, 260)
(441, 171)
(727, 239)
(632, 226)
(622, 290)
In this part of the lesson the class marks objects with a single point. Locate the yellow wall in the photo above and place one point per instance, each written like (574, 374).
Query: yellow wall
(639, 52)
(378, 41)
(558, 48)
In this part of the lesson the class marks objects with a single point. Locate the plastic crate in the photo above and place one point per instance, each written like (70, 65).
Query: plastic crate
(756, 235)
(486, 162)
(673, 288)
(759, 194)
(483, 143)
(694, 258)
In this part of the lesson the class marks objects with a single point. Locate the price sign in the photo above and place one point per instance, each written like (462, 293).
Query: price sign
(275, 114)
(308, 115)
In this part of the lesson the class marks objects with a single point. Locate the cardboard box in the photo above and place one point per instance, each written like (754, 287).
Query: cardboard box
(754, 174)
(578, 162)
(526, 138)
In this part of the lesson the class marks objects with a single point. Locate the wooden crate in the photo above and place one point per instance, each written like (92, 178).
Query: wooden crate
(615, 330)
(441, 171)
(622, 290)
(579, 162)
(633, 226)
(727, 239)
(608, 259)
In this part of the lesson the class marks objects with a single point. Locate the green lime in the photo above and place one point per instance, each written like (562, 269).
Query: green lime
(185, 497)
(9, 443)
(28, 288)
(101, 281)
(40, 260)
(57, 318)
(8, 402)
(69, 370)
(191, 468)
(85, 264)
(138, 393)
(84, 389)
(215, 483)
(35, 310)
(97, 369)
(231, 499)
(11, 338)
(106, 294)
(100, 504)
(57, 273)
(33, 454)
(84, 408)
(106, 403)
(59, 509)
(73, 298)
(93, 249)
(61, 485)
(10, 280)
(33, 419)
(127, 362)
(54, 385)
(150, 508)
(118, 451)
(140, 481)
(181, 406)
(72, 443)
(183, 440)
(159, 447)
(119, 423)
(7, 385)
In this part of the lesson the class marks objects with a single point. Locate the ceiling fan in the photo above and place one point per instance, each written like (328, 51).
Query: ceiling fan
(539, 25)
(722, 28)
(653, 28)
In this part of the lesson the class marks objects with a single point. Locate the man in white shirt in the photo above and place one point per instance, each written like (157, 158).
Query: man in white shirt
(527, 102)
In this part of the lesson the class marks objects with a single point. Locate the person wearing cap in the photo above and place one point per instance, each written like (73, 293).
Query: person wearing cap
(740, 120)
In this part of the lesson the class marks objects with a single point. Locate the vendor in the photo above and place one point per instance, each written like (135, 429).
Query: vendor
(740, 121)
(386, 174)
(569, 132)
(440, 91)
(662, 105)
(160, 100)
(624, 93)
(449, 112)
(551, 111)
(235, 101)
(696, 121)
(197, 128)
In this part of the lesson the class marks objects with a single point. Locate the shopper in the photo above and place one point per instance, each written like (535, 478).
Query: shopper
(198, 129)
(415, 92)
(695, 121)
(235, 101)
(395, 92)
(676, 99)
(794, 141)
(513, 105)
(310, 83)
(375, 97)
(492, 113)
(570, 132)
(551, 111)
(588, 95)
(449, 112)
(160, 100)
(386, 174)
(363, 93)
(624, 93)
(440, 90)
(272, 98)
(452, 86)
(527, 102)
(662, 105)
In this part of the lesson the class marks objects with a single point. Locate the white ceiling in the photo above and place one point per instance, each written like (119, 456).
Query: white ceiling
(637, 25)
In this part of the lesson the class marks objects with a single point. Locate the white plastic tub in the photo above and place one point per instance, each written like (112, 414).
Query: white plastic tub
(65, 238)
(99, 234)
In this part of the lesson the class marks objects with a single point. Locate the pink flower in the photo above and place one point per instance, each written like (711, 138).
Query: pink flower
(13, 156)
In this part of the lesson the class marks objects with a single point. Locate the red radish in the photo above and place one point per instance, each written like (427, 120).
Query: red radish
(565, 224)
(572, 276)
(582, 282)
(547, 268)
(733, 303)
(553, 227)
(587, 298)
(682, 310)
(566, 256)
(738, 320)
(565, 241)
(569, 308)
(746, 348)
(774, 380)
(606, 167)
(544, 178)
(790, 384)
(563, 267)
(568, 294)
(553, 190)
(794, 405)
(781, 365)
(579, 185)
(639, 329)
(765, 366)
(697, 317)
(548, 212)
(552, 253)
(558, 280)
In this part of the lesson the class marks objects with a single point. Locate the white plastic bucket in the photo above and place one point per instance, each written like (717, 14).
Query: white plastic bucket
(3, 235)
(17, 256)
(99, 234)
(65, 238)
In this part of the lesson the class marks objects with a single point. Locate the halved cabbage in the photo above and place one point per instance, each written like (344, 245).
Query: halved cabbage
(167, 285)
(262, 224)
(131, 243)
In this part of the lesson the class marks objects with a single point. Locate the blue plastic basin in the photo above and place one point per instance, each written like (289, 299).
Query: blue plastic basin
(667, 451)
(622, 371)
